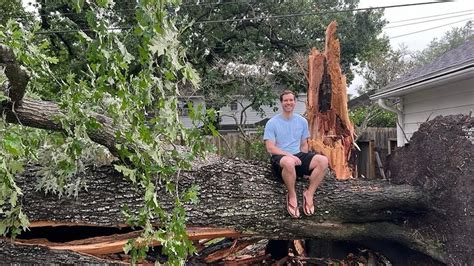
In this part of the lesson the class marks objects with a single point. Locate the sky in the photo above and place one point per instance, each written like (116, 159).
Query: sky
(456, 14)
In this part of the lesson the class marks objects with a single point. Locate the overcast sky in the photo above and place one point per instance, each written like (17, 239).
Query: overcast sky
(431, 20)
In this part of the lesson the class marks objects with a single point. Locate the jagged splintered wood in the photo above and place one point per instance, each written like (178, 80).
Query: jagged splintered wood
(332, 132)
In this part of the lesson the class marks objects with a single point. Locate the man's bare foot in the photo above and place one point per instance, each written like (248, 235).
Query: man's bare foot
(308, 204)
(292, 207)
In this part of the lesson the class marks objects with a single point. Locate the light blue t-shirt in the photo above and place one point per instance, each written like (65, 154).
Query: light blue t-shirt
(287, 133)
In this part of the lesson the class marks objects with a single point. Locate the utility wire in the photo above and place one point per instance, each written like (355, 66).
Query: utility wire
(266, 17)
(278, 16)
(316, 13)
(438, 15)
(406, 34)
(424, 21)
(129, 27)
(130, 10)
(222, 3)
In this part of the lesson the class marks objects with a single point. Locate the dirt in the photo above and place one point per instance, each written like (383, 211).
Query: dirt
(440, 159)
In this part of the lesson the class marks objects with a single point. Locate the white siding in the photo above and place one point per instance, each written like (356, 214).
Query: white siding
(252, 116)
(420, 106)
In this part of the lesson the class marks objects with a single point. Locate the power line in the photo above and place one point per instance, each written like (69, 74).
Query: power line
(221, 3)
(126, 10)
(429, 29)
(316, 13)
(272, 17)
(438, 15)
(424, 21)
(266, 17)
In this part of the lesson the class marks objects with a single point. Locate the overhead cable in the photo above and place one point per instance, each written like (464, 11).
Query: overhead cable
(393, 37)
(432, 16)
(425, 21)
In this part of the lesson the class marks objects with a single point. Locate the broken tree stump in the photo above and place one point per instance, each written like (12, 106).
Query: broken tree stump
(332, 133)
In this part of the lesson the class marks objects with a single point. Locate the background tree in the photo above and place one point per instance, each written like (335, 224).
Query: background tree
(450, 40)
(250, 32)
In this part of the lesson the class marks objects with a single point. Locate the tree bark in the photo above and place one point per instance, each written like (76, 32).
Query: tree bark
(11, 253)
(243, 196)
(44, 115)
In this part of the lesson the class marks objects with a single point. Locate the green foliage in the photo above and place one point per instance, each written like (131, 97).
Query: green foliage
(277, 47)
(130, 75)
(373, 116)
(258, 151)
(11, 9)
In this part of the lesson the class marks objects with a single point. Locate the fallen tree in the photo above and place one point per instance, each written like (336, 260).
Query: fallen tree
(238, 199)
(242, 196)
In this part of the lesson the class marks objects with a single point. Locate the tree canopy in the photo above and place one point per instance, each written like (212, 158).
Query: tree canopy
(275, 37)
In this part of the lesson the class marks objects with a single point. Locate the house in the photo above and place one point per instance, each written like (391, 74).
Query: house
(251, 118)
(443, 87)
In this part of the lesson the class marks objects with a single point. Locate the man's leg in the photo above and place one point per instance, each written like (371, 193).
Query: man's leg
(319, 164)
(289, 177)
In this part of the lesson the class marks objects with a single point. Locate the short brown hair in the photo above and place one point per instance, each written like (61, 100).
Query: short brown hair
(285, 92)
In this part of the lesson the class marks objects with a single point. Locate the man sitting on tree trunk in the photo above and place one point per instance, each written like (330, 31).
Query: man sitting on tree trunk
(286, 139)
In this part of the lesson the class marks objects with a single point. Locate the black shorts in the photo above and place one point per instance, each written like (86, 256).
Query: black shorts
(301, 170)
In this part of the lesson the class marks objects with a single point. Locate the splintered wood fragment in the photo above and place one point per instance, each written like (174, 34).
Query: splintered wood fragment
(248, 260)
(114, 243)
(223, 253)
(332, 133)
(299, 247)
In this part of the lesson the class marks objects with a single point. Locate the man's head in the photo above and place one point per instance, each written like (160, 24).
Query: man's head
(287, 92)
(288, 101)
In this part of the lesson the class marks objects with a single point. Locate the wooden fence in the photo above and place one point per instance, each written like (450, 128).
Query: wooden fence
(233, 145)
(370, 141)
(375, 144)
(380, 135)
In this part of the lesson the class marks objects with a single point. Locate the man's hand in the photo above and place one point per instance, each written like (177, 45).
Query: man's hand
(296, 160)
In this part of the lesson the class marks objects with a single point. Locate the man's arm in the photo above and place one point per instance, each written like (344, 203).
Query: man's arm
(273, 149)
(304, 146)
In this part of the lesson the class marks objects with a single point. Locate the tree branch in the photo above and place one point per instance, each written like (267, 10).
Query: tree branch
(46, 115)
(17, 76)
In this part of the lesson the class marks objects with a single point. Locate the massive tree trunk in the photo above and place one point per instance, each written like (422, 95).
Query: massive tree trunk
(241, 198)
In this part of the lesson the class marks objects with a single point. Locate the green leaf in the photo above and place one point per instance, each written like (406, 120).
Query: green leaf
(13, 145)
(3, 229)
(78, 4)
(16, 167)
(127, 172)
(129, 246)
(13, 199)
(157, 46)
(191, 195)
(102, 3)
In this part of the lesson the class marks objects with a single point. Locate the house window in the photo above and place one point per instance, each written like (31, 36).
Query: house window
(233, 106)
(183, 109)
